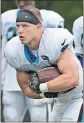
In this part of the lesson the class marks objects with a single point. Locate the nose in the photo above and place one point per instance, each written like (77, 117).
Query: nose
(20, 30)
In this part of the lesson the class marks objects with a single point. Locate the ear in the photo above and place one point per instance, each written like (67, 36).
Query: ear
(39, 26)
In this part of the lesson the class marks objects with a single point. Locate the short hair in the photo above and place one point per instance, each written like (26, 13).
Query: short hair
(35, 11)
(26, 2)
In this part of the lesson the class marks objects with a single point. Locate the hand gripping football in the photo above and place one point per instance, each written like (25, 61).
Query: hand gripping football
(48, 74)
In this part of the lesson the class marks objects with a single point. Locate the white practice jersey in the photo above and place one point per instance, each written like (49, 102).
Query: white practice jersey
(8, 19)
(51, 19)
(9, 81)
(50, 48)
(9, 30)
(78, 34)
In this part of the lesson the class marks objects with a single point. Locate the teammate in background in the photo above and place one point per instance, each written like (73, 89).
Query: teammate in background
(14, 102)
(78, 38)
(13, 99)
(27, 53)
(78, 34)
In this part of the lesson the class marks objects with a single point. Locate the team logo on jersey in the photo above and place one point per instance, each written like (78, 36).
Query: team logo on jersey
(63, 42)
(64, 48)
(45, 57)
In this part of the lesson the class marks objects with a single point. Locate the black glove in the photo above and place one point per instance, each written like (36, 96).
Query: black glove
(34, 83)
(56, 94)
(34, 86)
(51, 94)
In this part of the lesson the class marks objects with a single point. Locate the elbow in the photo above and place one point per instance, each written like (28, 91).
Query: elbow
(25, 92)
(74, 81)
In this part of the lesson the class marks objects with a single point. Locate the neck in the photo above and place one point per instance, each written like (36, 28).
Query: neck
(34, 44)
(39, 36)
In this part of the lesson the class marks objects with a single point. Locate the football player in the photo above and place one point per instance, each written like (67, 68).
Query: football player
(27, 56)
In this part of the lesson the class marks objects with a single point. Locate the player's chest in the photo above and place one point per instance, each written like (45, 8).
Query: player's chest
(44, 60)
(25, 65)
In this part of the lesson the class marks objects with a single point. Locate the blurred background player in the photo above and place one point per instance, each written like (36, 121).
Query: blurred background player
(14, 104)
(13, 99)
(78, 44)
(78, 35)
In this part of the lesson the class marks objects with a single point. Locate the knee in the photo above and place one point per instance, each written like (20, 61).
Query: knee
(10, 114)
(35, 113)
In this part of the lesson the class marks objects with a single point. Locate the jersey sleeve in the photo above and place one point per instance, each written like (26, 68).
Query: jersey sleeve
(78, 30)
(60, 42)
(10, 54)
(66, 42)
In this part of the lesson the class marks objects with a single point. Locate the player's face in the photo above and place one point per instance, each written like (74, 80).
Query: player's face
(27, 33)
(21, 4)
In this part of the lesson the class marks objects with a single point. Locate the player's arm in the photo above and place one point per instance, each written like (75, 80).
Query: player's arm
(22, 78)
(69, 78)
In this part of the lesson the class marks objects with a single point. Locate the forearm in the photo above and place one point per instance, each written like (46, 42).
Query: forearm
(30, 94)
(22, 79)
(61, 83)
(69, 78)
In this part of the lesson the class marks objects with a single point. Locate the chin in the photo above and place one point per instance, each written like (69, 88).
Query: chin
(23, 42)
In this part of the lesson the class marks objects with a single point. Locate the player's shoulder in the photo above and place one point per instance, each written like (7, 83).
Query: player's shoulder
(9, 12)
(11, 50)
(56, 40)
(13, 46)
(78, 21)
(14, 40)
(57, 33)
(9, 15)
(57, 15)
(51, 14)
(56, 36)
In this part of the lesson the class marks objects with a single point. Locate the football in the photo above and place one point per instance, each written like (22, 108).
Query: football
(48, 74)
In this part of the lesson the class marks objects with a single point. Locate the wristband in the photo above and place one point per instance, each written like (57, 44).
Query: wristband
(43, 87)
